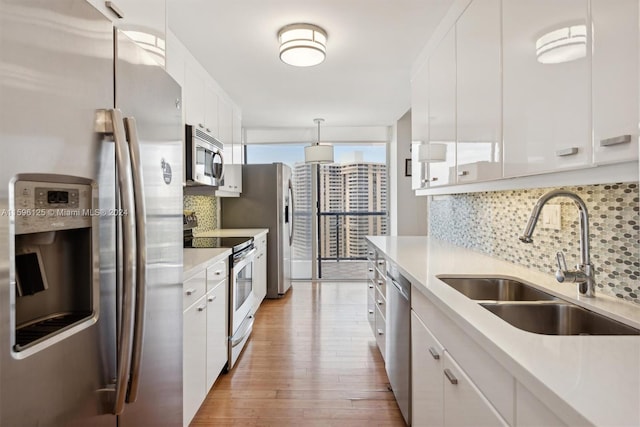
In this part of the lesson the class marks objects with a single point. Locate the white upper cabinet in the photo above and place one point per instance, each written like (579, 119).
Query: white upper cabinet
(442, 109)
(225, 122)
(193, 94)
(144, 21)
(419, 123)
(547, 120)
(479, 126)
(615, 80)
(175, 58)
(236, 138)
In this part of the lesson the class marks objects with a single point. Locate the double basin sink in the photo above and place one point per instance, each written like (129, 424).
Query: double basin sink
(533, 310)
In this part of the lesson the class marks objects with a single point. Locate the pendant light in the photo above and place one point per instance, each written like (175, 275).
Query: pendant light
(317, 153)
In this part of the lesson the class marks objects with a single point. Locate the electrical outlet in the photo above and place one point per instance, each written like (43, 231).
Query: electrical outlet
(551, 217)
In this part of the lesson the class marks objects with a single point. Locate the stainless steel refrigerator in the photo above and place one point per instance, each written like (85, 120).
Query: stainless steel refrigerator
(90, 223)
(266, 202)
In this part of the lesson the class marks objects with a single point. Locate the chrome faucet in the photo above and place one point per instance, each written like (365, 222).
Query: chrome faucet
(584, 274)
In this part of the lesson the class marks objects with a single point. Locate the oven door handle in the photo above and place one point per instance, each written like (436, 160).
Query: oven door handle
(244, 330)
(238, 263)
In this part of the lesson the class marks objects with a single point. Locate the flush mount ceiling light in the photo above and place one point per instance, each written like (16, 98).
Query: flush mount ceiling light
(317, 153)
(302, 45)
(562, 45)
(432, 152)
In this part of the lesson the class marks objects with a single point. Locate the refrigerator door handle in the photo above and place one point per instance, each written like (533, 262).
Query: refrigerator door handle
(123, 362)
(292, 213)
(141, 257)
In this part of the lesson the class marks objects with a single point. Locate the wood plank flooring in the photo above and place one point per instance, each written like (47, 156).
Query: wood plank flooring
(312, 360)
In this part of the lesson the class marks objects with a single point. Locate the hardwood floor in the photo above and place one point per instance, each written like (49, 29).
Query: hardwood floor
(312, 360)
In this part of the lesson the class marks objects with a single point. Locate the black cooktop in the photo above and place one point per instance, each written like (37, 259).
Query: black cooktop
(237, 244)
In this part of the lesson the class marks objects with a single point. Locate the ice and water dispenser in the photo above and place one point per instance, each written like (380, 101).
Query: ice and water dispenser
(54, 232)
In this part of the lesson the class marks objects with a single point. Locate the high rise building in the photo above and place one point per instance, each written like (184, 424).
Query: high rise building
(352, 202)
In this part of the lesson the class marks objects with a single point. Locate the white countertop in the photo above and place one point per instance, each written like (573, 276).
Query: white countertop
(596, 376)
(197, 259)
(233, 232)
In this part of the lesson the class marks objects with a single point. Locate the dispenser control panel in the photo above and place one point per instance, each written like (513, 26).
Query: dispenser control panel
(47, 206)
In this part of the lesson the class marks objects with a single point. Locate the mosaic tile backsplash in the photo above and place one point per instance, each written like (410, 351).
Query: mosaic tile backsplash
(491, 222)
(206, 209)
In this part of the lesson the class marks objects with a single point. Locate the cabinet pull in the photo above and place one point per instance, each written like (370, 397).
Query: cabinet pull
(452, 378)
(200, 125)
(370, 286)
(381, 262)
(190, 291)
(567, 152)
(115, 9)
(380, 302)
(218, 272)
(380, 332)
(622, 139)
(380, 282)
(370, 311)
(202, 308)
(434, 353)
(208, 130)
(370, 270)
(463, 173)
(435, 178)
(212, 298)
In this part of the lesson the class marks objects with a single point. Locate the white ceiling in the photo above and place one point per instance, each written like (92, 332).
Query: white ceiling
(365, 80)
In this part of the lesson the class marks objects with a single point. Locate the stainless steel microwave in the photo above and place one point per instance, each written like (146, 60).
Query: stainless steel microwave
(204, 158)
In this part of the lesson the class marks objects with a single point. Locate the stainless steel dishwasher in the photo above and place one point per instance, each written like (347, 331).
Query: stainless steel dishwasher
(398, 363)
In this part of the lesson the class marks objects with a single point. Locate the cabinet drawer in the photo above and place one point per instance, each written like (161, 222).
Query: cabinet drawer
(193, 289)
(381, 286)
(381, 302)
(381, 267)
(381, 332)
(217, 271)
(371, 307)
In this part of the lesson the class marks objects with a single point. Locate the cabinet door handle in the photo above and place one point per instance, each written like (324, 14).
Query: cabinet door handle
(463, 173)
(190, 291)
(212, 298)
(200, 125)
(218, 272)
(370, 286)
(380, 332)
(370, 270)
(202, 308)
(452, 378)
(380, 302)
(435, 178)
(434, 353)
(567, 152)
(380, 282)
(370, 311)
(622, 139)
(381, 262)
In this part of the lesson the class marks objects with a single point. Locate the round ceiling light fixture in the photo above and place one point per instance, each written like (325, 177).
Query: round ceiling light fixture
(302, 45)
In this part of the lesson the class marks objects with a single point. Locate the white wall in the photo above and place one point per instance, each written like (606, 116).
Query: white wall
(410, 216)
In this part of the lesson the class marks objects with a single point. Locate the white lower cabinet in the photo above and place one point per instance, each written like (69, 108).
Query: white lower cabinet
(217, 337)
(194, 363)
(260, 272)
(204, 334)
(530, 412)
(464, 404)
(427, 379)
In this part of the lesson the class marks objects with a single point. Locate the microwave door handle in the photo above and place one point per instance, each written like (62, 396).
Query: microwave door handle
(219, 153)
(123, 362)
(141, 257)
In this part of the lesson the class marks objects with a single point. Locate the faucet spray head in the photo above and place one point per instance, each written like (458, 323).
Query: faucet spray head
(525, 239)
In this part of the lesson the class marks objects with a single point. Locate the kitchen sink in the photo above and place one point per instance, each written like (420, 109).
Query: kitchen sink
(496, 289)
(558, 319)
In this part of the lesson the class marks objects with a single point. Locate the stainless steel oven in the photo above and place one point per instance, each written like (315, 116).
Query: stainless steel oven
(240, 300)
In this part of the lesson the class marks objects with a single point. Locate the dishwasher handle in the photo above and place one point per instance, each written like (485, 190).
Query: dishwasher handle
(400, 288)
